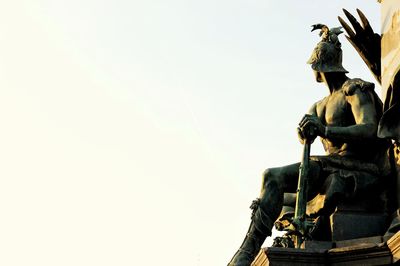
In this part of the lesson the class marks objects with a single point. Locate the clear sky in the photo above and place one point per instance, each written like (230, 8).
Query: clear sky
(136, 132)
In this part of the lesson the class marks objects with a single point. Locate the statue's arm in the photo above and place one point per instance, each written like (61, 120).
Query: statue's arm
(313, 109)
(365, 116)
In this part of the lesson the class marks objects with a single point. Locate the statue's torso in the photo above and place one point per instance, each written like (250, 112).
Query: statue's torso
(335, 111)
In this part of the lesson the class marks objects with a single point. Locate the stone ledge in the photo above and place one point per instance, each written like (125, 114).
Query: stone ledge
(363, 251)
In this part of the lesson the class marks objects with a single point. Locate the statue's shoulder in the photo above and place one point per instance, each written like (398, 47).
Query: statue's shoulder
(352, 85)
(322, 102)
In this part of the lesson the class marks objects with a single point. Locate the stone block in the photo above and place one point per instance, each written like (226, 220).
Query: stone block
(295, 257)
(362, 254)
(351, 225)
(322, 245)
(354, 242)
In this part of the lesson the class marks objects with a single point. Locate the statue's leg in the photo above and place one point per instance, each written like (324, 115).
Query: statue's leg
(267, 208)
(335, 193)
(277, 181)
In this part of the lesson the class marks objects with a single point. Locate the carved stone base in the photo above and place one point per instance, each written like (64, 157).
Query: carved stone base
(350, 225)
(394, 246)
(363, 251)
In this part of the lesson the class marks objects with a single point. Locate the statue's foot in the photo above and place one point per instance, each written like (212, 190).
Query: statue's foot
(242, 258)
(259, 229)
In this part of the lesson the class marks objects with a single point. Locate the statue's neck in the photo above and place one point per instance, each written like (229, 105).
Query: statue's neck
(335, 82)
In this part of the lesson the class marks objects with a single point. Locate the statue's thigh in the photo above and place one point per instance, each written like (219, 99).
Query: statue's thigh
(316, 179)
(287, 176)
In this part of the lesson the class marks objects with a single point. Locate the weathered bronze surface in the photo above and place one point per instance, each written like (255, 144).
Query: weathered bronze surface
(355, 165)
(366, 42)
(368, 45)
(376, 50)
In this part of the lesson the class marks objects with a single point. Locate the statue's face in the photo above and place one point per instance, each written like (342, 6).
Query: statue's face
(321, 77)
(318, 76)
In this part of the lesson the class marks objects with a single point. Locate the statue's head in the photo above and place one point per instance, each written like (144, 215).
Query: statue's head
(327, 55)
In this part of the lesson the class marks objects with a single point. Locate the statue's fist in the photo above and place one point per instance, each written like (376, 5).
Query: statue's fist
(310, 127)
(306, 134)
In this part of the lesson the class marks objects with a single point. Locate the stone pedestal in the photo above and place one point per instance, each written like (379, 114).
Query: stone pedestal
(394, 246)
(358, 218)
(357, 225)
(362, 251)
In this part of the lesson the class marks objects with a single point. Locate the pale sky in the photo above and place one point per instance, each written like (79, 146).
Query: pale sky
(136, 132)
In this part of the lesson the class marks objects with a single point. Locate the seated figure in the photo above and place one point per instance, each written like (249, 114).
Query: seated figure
(346, 121)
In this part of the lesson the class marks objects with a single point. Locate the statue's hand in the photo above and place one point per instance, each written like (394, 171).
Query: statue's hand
(365, 41)
(309, 128)
(301, 136)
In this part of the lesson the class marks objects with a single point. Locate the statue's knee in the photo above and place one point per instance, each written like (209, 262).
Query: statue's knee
(269, 176)
(265, 176)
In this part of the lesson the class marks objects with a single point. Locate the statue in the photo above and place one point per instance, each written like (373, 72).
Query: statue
(346, 121)
(373, 48)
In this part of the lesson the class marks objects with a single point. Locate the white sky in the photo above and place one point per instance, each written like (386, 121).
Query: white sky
(136, 132)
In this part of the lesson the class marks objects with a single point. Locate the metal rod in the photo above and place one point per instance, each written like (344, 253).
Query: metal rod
(301, 199)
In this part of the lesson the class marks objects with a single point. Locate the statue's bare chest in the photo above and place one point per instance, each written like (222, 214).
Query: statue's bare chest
(335, 110)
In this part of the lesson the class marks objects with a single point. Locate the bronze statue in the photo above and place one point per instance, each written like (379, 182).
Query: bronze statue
(369, 46)
(346, 121)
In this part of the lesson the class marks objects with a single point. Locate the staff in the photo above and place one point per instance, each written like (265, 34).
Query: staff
(299, 220)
